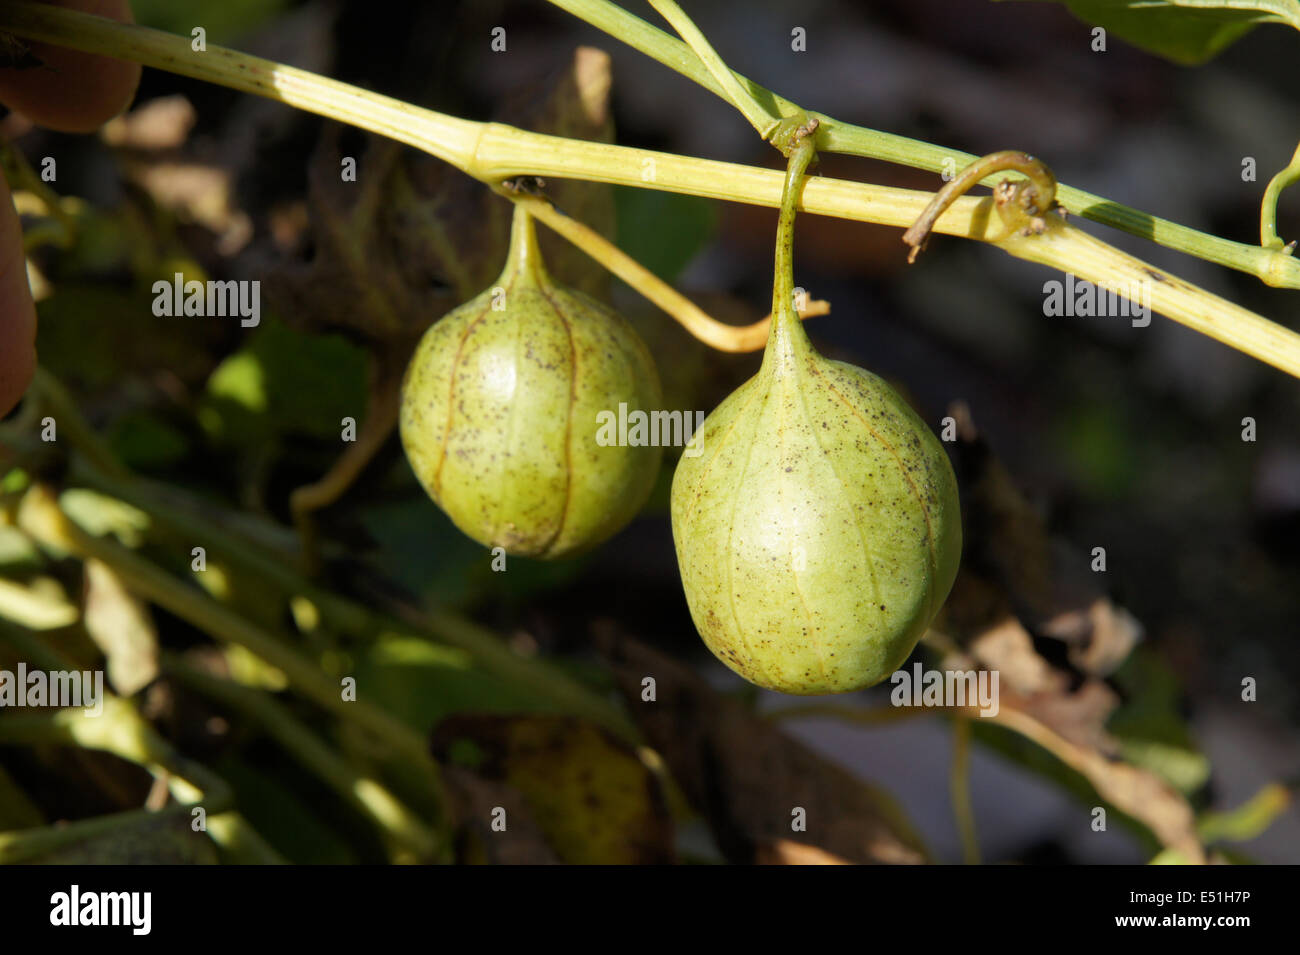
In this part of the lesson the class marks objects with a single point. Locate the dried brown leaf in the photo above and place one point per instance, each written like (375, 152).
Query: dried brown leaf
(1136, 792)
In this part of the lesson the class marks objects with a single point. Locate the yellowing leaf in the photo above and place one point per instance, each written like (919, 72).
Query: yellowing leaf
(121, 627)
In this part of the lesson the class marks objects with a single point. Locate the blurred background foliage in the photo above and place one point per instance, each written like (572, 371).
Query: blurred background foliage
(522, 690)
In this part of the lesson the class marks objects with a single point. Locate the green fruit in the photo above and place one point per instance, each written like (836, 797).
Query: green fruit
(818, 532)
(499, 412)
(818, 528)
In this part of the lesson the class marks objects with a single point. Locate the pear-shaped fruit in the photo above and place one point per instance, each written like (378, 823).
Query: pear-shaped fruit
(818, 527)
(818, 532)
(499, 412)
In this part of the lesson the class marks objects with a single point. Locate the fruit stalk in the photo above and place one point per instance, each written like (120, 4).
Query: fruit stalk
(786, 327)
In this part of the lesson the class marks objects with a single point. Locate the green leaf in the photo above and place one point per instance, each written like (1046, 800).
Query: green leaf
(15, 481)
(418, 547)
(285, 382)
(38, 604)
(1184, 31)
(95, 335)
(662, 230)
(593, 797)
(145, 842)
(422, 683)
(99, 514)
(144, 442)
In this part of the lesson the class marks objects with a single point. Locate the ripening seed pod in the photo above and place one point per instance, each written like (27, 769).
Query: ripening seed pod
(499, 412)
(818, 528)
(818, 532)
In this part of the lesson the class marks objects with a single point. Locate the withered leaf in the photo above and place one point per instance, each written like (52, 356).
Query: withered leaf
(1028, 607)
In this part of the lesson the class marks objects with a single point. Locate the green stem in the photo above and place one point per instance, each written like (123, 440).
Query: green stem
(1268, 236)
(732, 89)
(1267, 264)
(1074, 251)
(787, 332)
(59, 404)
(436, 133)
(22, 176)
(1249, 820)
(959, 787)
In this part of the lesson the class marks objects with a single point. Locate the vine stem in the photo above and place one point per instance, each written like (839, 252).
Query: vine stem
(1074, 251)
(959, 788)
(494, 152)
(383, 403)
(1272, 266)
(736, 93)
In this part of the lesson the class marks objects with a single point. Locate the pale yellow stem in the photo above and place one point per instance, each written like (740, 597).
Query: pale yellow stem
(715, 334)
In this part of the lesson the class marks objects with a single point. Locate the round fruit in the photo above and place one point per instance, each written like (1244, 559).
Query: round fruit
(499, 412)
(818, 532)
